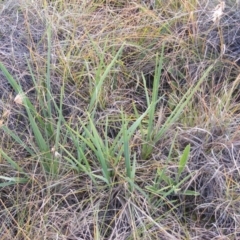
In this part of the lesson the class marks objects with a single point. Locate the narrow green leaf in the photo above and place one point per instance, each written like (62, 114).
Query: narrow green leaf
(17, 139)
(11, 162)
(126, 151)
(147, 147)
(97, 141)
(38, 136)
(60, 118)
(157, 76)
(48, 76)
(179, 108)
(14, 179)
(100, 83)
(190, 193)
(13, 182)
(164, 177)
(183, 161)
(10, 79)
(146, 90)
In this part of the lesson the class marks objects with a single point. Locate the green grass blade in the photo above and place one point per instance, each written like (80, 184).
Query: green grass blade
(181, 105)
(10, 79)
(147, 148)
(97, 141)
(38, 136)
(12, 181)
(11, 162)
(126, 151)
(119, 143)
(156, 81)
(17, 139)
(183, 161)
(146, 90)
(100, 83)
(48, 76)
(60, 118)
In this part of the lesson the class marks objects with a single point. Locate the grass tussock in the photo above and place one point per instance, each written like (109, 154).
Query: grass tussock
(119, 119)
